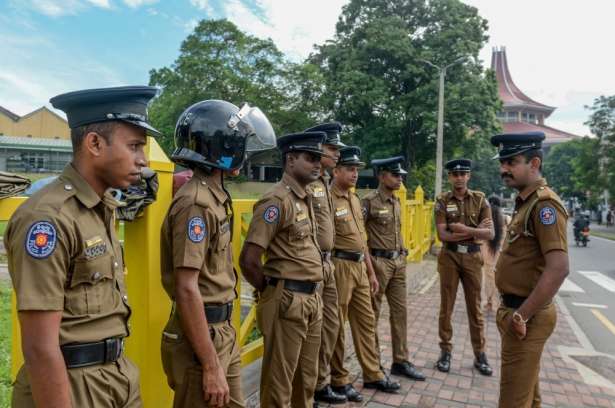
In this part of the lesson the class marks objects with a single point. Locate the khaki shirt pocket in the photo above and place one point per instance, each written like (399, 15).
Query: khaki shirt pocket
(224, 237)
(344, 226)
(91, 286)
(298, 233)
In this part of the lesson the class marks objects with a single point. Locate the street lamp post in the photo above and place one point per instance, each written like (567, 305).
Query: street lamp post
(440, 134)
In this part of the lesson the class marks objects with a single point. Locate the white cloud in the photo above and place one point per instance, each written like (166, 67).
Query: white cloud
(294, 26)
(54, 8)
(191, 25)
(203, 5)
(138, 3)
(100, 3)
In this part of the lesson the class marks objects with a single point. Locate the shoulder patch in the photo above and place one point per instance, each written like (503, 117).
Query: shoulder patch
(547, 216)
(271, 214)
(196, 229)
(41, 239)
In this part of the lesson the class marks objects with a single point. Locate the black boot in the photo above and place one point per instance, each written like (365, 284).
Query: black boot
(384, 385)
(326, 394)
(482, 365)
(444, 363)
(407, 369)
(348, 390)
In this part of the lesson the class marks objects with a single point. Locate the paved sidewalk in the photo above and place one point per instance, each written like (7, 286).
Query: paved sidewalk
(562, 385)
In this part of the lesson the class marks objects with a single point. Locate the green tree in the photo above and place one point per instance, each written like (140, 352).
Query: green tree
(378, 86)
(602, 124)
(571, 170)
(219, 61)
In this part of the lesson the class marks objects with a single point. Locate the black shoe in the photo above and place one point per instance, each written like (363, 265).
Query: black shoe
(407, 369)
(444, 363)
(348, 390)
(384, 385)
(329, 396)
(482, 365)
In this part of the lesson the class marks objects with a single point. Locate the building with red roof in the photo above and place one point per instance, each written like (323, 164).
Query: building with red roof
(521, 113)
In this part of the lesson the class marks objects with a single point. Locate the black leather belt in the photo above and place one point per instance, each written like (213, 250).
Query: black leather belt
(294, 285)
(349, 255)
(462, 249)
(326, 255)
(513, 301)
(384, 253)
(219, 313)
(89, 354)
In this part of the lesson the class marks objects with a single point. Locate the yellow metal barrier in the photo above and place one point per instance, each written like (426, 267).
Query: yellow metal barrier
(150, 304)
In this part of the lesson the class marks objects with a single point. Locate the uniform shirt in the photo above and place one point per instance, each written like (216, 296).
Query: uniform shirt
(383, 220)
(471, 211)
(522, 260)
(196, 234)
(323, 211)
(284, 225)
(349, 225)
(64, 256)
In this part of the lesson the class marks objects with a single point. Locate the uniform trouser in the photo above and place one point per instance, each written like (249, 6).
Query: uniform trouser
(185, 373)
(490, 291)
(391, 275)
(467, 268)
(290, 323)
(521, 358)
(355, 306)
(330, 324)
(108, 385)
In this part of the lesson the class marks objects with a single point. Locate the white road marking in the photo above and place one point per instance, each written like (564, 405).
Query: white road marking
(591, 305)
(570, 286)
(600, 279)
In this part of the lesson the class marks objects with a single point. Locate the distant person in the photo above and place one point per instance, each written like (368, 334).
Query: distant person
(490, 251)
(609, 218)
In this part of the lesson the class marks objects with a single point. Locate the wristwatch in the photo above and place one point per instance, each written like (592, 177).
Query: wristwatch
(517, 318)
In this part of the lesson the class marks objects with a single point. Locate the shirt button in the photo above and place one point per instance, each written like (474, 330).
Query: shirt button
(125, 298)
(68, 187)
(96, 276)
(115, 264)
(204, 182)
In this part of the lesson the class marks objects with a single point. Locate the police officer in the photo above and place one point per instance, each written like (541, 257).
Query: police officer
(532, 266)
(323, 211)
(462, 217)
(355, 282)
(66, 262)
(289, 309)
(200, 353)
(383, 222)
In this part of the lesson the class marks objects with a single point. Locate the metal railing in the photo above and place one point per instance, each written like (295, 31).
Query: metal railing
(149, 302)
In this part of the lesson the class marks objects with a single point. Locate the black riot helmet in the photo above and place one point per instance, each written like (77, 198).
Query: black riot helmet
(218, 134)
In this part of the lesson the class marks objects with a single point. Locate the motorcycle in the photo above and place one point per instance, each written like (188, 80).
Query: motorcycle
(582, 237)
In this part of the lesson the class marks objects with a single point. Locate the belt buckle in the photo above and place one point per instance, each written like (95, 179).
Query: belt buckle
(462, 249)
(113, 349)
(361, 257)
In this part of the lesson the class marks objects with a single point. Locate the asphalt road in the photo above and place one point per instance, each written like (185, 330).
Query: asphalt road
(589, 290)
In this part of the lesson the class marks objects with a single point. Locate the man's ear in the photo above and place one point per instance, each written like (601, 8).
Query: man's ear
(535, 163)
(93, 143)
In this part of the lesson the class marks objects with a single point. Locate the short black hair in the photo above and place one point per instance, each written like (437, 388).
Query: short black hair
(285, 157)
(530, 154)
(105, 129)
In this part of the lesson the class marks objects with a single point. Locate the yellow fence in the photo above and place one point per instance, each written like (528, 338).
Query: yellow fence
(150, 304)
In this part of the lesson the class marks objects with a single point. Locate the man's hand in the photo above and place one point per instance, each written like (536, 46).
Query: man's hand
(215, 388)
(373, 283)
(458, 228)
(519, 329)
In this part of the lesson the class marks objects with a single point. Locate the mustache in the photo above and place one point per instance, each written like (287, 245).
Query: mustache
(509, 175)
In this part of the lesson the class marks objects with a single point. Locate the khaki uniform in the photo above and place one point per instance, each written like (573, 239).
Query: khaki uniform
(323, 211)
(383, 223)
(64, 256)
(538, 226)
(354, 292)
(465, 267)
(196, 234)
(284, 225)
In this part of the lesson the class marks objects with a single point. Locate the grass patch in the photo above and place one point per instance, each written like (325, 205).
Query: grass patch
(605, 235)
(5, 344)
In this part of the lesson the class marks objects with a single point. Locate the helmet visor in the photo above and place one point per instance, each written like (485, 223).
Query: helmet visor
(263, 137)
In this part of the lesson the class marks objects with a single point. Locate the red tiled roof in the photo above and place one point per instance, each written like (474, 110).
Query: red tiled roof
(553, 136)
(510, 94)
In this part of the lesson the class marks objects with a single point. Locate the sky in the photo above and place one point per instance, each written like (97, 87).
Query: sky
(558, 50)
